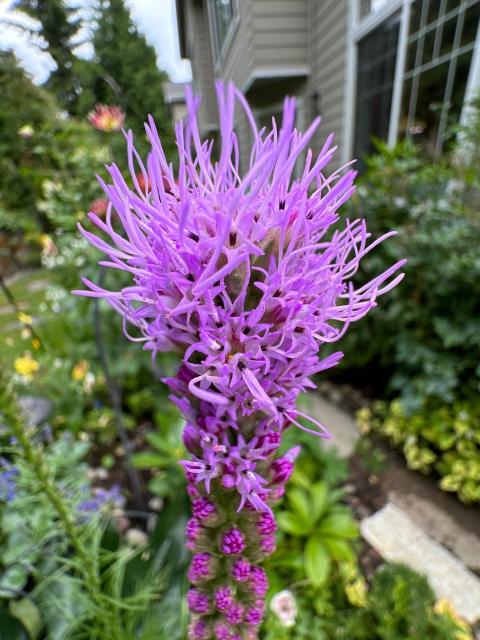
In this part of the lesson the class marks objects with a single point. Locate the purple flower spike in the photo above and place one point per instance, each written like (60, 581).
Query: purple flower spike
(204, 510)
(198, 601)
(201, 568)
(247, 277)
(266, 524)
(198, 630)
(235, 613)
(258, 582)
(241, 569)
(233, 542)
(223, 598)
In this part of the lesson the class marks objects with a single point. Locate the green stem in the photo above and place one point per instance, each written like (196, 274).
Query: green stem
(87, 566)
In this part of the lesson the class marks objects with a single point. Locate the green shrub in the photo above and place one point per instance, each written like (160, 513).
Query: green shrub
(424, 341)
(400, 607)
(441, 438)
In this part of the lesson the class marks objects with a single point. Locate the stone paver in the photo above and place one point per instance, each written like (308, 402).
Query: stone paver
(440, 525)
(399, 539)
(340, 423)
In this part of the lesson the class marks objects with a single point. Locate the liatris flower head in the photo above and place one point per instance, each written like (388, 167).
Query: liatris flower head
(107, 118)
(246, 274)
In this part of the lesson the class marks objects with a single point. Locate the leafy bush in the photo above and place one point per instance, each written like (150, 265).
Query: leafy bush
(65, 571)
(438, 437)
(424, 341)
(400, 607)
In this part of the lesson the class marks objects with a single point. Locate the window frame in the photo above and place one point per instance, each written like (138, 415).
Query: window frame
(220, 52)
(361, 27)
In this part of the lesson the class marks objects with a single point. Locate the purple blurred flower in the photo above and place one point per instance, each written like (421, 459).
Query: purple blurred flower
(103, 499)
(8, 480)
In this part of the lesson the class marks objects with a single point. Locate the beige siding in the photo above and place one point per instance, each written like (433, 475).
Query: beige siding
(280, 30)
(272, 41)
(328, 61)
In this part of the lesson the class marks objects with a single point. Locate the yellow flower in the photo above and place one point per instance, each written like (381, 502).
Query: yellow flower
(47, 244)
(25, 318)
(26, 366)
(357, 592)
(26, 131)
(35, 343)
(444, 608)
(80, 370)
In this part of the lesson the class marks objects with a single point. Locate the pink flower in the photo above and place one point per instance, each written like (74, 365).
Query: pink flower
(99, 206)
(107, 118)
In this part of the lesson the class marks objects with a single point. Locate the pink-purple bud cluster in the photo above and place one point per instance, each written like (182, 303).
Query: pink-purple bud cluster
(246, 278)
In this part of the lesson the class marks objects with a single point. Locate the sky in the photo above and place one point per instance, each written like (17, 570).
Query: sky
(154, 18)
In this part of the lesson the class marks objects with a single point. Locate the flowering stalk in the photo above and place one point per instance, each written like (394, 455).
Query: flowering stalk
(245, 278)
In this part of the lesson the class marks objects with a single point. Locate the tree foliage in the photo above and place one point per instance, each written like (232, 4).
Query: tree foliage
(59, 26)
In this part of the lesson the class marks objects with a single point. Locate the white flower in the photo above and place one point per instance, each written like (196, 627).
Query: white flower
(284, 607)
(136, 537)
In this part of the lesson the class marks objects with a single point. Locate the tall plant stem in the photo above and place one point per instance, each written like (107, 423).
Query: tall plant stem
(116, 401)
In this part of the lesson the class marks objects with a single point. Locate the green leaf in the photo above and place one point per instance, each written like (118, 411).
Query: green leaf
(338, 525)
(319, 500)
(338, 549)
(11, 628)
(157, 440)
(292, 524)
(317, 561)
(28, 614)
(147, 460)
(299, 502)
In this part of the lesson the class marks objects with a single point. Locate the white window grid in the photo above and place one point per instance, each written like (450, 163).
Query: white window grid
(359, 28)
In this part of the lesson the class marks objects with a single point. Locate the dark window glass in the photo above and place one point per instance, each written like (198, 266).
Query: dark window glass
(223, 12)
(470, 25)
(411, 55)
(428, 44)
(433, 9)
(459, 86)
(431, 90)
(415, 16)
(448, 36)
(452, 4)
(406, 95)
(377, 54)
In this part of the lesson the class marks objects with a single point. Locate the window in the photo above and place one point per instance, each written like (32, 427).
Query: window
(377, 54)
(439, 52)
(223, 14)
(370, 6)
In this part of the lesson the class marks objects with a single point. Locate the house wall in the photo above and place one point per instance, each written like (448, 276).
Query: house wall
(328, 63)
(280, 36)
(296, 47)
